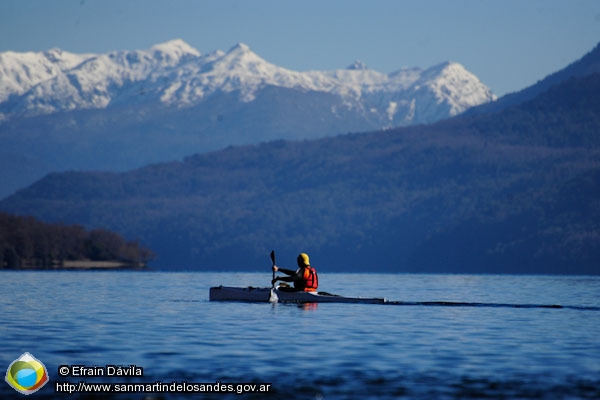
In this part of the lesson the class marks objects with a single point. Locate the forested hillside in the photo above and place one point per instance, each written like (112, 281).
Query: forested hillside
(587, 65)
(125, 109)
(516, 192)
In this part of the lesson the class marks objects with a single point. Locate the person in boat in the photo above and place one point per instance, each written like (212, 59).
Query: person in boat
(304, 278)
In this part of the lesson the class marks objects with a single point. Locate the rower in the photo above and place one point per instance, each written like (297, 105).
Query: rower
(305, 277)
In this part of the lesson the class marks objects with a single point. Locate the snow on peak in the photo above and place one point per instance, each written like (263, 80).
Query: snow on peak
(239, 48)
(176, 74)
(453, 84)
(54, 54)
(240, 69)
(19, 72)
(241, 57)
(357, 65)
(448, 69)
(175, 49)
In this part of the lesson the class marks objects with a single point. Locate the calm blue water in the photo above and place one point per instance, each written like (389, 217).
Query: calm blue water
(164, 323)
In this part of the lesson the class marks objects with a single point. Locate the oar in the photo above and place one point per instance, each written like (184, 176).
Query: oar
(273, 297)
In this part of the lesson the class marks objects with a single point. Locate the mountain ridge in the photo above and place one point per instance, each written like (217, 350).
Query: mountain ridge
(124, 109)
(77, 77)
(511, 192)
(586, 65)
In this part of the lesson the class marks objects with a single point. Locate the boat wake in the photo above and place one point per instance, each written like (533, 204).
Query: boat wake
(494, 305)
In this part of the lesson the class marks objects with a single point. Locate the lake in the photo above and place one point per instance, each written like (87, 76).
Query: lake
(448, 336)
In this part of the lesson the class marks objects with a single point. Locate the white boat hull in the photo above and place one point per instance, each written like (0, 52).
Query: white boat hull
(263, 295)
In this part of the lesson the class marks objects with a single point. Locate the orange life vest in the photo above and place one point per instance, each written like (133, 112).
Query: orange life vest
(310, 279)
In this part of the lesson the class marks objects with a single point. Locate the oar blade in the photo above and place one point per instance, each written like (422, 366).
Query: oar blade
(273, 297)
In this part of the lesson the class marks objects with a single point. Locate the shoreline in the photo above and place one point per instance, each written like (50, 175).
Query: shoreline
(79, 265)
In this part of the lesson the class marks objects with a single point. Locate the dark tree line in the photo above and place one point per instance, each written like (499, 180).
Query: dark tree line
(26, 242)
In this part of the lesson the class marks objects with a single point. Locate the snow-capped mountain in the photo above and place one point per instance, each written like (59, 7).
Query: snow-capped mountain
(174, 74)
(59, 81)
(126, 109)
(19, 72)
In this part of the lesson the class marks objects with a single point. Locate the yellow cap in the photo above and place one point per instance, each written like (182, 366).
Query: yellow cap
(303, 259)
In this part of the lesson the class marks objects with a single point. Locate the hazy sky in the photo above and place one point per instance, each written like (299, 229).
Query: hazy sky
(508, 44)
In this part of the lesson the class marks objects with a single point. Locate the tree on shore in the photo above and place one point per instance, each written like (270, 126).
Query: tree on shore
(26, 240)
